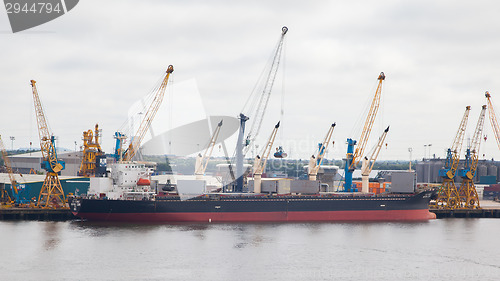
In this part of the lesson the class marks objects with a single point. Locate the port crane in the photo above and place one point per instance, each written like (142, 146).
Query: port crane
(122, 155)
(493, 118)
(367, 164)
(315, 162)
(5, 198)
(259, 164)
(52, 194)
(354, 156)
(263, 99)
(202, 161)
(447, 195)
(467, 190)
(91, 153)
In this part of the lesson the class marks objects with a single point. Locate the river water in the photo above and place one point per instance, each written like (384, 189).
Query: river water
(445, 249)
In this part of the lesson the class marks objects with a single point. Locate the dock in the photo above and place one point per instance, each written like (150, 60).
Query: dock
(38, 214)
(489, 209)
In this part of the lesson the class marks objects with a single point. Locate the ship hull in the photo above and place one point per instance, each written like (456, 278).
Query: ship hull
(259, 209)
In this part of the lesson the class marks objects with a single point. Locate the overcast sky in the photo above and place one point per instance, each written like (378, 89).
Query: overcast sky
(93, 63)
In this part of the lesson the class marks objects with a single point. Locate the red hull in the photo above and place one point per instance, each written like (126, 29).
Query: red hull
(319, 216)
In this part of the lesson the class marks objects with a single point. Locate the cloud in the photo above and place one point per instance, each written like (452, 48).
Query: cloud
(93, 63)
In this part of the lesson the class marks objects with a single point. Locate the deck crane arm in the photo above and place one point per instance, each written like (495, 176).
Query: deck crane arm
(202, 161)
(263, 101)
(368, 163)
(260, 162)
(493, 118)
(148, 118)
(370, 119)
(8, 166)
(353, 156)
(315, 163)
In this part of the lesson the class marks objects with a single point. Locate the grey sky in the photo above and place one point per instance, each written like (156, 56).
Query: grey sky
(93, 63)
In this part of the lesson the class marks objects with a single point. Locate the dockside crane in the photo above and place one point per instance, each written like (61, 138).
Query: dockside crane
(91, 153)
(5, 198)
(447, 195)
(263, 99)
(354, 156)
(316, 161)
(493, 118)
(467, 190)
(52, 194)
(260, 162)
(135, 142)
(367, 164)
(202, 161)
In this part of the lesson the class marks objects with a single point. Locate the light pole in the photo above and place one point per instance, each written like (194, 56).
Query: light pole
(429, 145)
(12, 139)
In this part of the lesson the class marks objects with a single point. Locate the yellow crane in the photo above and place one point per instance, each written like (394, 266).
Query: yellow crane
(202, 161)
(493, 118)
(315, 162)
(259, 164)
(467, 190)
(52, 194)
(354, 156)
(368, 163)
(135, 142)
(91, 152)
(447, 196)
(5, 198)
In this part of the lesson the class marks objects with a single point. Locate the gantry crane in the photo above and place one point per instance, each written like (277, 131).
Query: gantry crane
(493, 118)
(354, 156)
(367, 164)
(202, 161)
(467, 190)
(263, 100)
(52, 194)
(315, 162)
(447, 195)
(91, 153)
(259, 164)
(136, 140)
(5, 198)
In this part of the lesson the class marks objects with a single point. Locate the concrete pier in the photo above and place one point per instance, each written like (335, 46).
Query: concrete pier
(36, 214)
(489, 209)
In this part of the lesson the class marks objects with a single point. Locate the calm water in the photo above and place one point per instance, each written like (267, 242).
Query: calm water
(448, 249)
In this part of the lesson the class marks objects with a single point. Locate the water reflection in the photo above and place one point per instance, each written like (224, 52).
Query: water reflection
(51, 235)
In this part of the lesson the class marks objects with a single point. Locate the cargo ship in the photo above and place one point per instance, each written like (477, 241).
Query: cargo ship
(120, 198)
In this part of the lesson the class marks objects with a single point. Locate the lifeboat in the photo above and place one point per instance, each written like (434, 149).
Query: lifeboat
(142, 181)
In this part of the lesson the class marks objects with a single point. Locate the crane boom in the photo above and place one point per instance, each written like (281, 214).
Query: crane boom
(370, 119)
(467, 191)
(353, 156)
(260, 162)
(51, 194)
(448, 197)
(369, 162)
(148, 118)
(493, 119)
(258, 116)
(47, 141)
(202, 161)
(315, 163)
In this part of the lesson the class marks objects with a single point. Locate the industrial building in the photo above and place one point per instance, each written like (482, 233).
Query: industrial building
(428, 171)
(31, 162)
